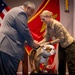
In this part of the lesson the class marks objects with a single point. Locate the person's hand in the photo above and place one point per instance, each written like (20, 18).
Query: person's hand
(36, 44)
(42, 45)
(36, 41)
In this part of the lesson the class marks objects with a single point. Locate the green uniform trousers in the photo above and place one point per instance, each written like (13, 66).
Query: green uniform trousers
(66, 55)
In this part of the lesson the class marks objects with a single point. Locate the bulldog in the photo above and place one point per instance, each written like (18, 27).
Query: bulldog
(40, 56)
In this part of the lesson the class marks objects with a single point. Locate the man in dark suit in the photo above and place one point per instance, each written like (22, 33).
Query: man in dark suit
(13, 34)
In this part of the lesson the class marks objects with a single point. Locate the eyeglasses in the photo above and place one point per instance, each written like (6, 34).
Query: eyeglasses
(31, 9)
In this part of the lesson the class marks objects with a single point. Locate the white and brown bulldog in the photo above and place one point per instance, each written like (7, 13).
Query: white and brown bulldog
(39, 56)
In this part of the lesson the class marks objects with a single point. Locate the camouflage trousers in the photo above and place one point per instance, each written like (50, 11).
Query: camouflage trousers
(66, 55)
(70, 58)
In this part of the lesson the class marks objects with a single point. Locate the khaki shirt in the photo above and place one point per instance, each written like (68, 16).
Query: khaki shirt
(57, 30)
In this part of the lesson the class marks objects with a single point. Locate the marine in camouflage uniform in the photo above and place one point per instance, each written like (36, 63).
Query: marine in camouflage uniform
(66, 52)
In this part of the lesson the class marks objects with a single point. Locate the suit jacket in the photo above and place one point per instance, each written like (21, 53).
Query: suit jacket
(14, 32)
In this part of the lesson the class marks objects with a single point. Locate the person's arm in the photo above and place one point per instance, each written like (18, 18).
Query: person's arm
(46, 37)
(22, 27)
(43, 41)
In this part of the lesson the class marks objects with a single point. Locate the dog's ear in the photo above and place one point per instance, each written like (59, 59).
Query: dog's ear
(32, 53)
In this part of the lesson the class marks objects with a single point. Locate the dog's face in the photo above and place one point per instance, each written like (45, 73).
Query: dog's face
(48, 48)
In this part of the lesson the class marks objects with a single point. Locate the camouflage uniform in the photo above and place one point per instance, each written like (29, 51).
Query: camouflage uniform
(56, 30)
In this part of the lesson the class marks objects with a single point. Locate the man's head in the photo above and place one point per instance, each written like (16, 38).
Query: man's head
(45, 16)
(29, 8)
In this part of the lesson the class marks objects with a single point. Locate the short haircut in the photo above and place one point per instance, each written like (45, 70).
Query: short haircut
(46, 13)
(29, 4)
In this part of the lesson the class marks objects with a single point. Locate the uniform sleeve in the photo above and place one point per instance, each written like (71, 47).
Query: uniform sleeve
(22, 27)
(46, 37)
